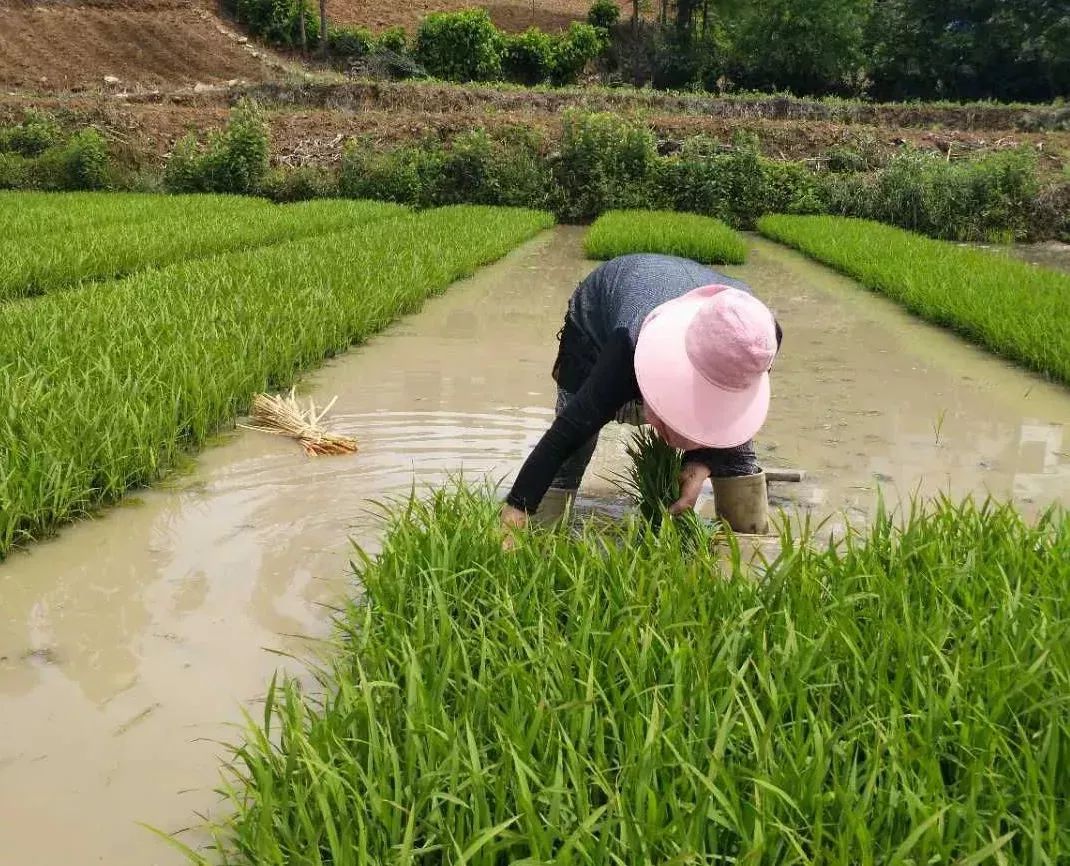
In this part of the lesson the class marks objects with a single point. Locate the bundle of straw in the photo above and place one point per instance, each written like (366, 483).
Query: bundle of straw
(282, 415)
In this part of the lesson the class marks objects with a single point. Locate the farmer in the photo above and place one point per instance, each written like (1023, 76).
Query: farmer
(660, 339)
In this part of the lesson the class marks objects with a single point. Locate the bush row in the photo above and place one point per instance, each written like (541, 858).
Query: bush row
(603, 163)
(453, 46)
(466, 46)
(36, 154)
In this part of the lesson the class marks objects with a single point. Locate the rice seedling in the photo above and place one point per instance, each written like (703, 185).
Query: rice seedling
(106, 386)
(26, 214)
(43, 264)
(653, 476)
(701, 238)
(283, 415)
(1015, 309)
(901, 698)
(652, 482)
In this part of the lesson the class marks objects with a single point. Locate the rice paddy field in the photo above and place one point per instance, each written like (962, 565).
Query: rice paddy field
(84, 422)
(616, 691)
(1017, 310)
(903, 698)
(703, 239)
(118, 246)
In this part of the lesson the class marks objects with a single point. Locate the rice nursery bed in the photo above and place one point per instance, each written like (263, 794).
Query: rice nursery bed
(1015, 309)
(105, 386)
(901, 698)
(33, 266)
(38, 213)
(701, 238)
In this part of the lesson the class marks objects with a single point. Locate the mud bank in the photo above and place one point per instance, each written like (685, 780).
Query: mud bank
(129, 642)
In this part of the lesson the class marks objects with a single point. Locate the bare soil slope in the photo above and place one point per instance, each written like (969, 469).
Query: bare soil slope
(156, 43)
(511, 15)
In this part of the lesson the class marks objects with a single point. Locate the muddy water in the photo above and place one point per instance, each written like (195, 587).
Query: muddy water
(128, 643)
(1051, 254)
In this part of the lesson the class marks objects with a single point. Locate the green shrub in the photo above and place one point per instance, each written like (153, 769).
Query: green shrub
(14, 171)
(789, 187)
(393, 39)
(299, 184)
(276, 21)
(707, 178)
(36, 134)
(473, 169)
(81, 162)
(460, 46)
(684, 60)
(860, 153)
(577, 47)
(348, 42)
(480, 170)
(1015, 309)
(969, 200)
(604, 163)
(603, 14)
(407, 175)
(700, 238)
(528, 57)
(85, 161)
(234, 161)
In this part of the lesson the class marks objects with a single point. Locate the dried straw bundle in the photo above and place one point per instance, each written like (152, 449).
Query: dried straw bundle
(282, 415)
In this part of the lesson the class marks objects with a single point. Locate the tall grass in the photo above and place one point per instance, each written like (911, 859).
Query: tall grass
(36, 213)
(105, 386)
(33, 266)
(904, 698)
(1017, 310)
(703, 239)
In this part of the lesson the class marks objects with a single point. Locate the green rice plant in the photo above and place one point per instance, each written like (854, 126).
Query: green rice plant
(27, 214)
(653, 476)
(1015, 309)
(33, 267)
(652, 482)
(703, 239)
(903, 697)
(105, 387)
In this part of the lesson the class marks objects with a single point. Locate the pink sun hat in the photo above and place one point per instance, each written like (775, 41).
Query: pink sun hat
(702, 362)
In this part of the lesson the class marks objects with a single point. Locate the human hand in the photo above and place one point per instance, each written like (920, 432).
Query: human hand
(513, 519)
(691, 478)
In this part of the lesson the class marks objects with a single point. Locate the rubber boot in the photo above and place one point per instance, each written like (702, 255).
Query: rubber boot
(556, 505)
(743, 503)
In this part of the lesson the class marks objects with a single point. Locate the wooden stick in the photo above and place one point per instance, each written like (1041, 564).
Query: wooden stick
(789, 475)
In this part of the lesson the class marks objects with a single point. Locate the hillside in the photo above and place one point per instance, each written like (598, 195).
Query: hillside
(512, 15)
(145, 44)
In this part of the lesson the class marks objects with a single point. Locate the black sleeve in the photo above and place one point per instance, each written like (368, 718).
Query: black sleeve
(610, 386)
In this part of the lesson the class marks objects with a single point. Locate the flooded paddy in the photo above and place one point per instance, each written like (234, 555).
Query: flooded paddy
(129, 642)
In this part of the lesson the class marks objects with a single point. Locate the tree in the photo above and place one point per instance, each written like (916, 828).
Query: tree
(976, 49)
(805, 46)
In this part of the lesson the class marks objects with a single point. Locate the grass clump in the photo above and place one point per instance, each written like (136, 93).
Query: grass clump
(33, 266)
(105, 387)
(902, 698)
(700, 238)
(1015, 309)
